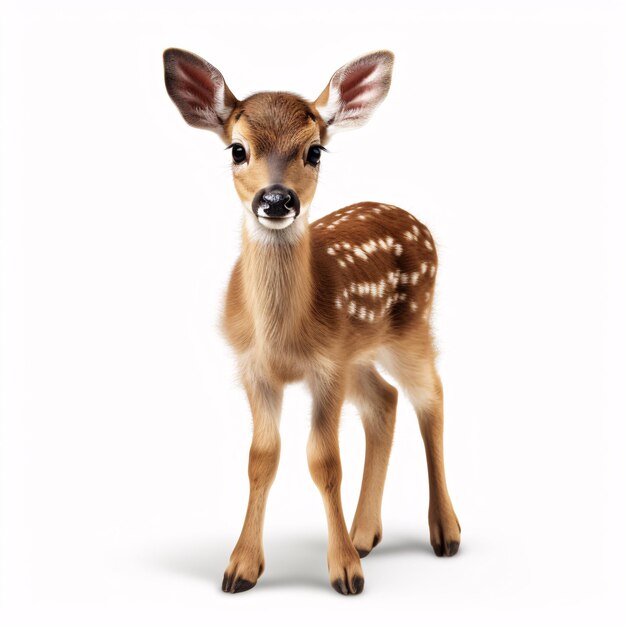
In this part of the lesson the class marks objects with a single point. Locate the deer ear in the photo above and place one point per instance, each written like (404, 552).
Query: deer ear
(355, 90)
(198, 90)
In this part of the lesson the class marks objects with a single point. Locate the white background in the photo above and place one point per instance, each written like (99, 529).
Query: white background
(124, 436)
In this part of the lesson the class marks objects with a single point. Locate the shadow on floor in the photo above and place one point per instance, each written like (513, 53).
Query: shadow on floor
(291, 560)
(401, 545)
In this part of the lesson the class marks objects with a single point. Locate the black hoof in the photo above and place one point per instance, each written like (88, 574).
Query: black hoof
(357, 584)
(448, 549)
(236, 585)
(340, 586)
(363, 552)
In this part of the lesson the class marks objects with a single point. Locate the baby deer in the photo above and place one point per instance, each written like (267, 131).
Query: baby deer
(321, 302)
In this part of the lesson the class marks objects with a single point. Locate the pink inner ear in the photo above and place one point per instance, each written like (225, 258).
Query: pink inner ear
(352, 87)
(196, 83)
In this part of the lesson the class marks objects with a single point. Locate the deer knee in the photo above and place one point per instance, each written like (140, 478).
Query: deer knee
(324, 465)
(263, 463)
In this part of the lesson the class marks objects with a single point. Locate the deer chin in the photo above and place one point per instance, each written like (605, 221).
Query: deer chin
(276, 223)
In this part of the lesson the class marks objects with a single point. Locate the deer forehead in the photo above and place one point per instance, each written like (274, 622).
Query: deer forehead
(277, 125)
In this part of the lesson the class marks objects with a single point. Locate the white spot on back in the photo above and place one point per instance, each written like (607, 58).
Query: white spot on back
(331, 251)
(398, 248)
(370, 246)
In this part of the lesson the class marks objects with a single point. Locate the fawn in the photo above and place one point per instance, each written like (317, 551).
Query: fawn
(321, 302)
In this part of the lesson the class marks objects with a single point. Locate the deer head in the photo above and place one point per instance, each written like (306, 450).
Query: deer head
(276, 138)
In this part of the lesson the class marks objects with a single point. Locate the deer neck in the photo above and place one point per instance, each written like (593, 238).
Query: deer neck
(277, 282)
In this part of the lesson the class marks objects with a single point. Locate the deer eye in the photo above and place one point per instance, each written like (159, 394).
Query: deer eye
(314, 155)
(238, 152)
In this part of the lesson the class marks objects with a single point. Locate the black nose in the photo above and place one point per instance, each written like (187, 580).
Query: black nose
(275, 201)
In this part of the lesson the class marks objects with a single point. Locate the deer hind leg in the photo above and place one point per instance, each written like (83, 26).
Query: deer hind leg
(413, 366)
(376, 400)
(344, 566)
(247, 560)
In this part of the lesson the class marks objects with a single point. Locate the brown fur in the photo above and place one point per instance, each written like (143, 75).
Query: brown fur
(323, 305)
(287, 326)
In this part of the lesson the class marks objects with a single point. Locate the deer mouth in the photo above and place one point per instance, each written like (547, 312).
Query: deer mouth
(277, 223)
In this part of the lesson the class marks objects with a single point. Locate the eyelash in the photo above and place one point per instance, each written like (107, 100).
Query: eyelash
(245, 154)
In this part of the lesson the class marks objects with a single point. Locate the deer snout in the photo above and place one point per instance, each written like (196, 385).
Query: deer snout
(276, 202)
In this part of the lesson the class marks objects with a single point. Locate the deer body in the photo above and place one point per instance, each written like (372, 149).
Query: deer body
(336, 295)
(321, 303)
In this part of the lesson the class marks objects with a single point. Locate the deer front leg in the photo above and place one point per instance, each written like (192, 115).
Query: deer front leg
(344, 566)
(247, 560)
